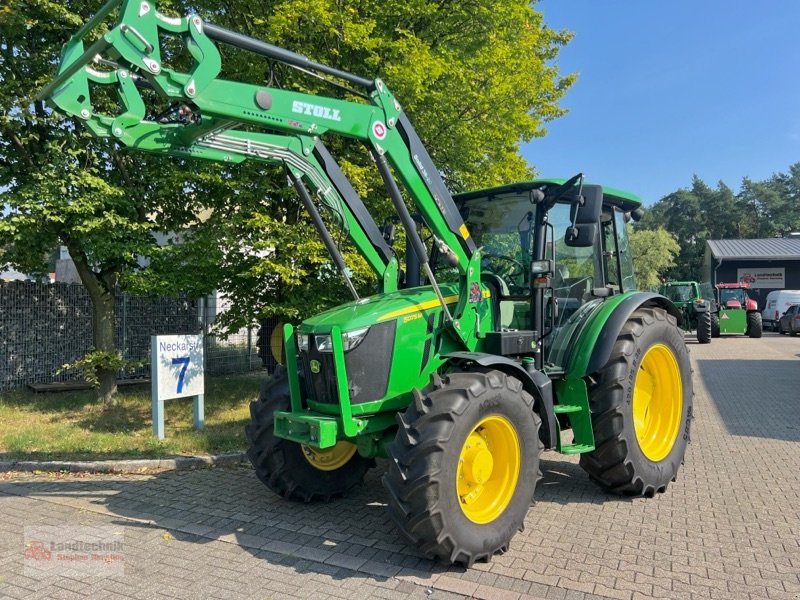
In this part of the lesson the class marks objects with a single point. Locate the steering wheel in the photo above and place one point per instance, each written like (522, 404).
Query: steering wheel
(509, 271)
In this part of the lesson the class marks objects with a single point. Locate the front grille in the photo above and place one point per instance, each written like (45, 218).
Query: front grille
(367, 368)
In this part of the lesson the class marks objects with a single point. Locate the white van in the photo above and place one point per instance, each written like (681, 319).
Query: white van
(777, 303)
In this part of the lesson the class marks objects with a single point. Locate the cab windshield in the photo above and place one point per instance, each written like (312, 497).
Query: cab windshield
(679, 293)
(736, 294)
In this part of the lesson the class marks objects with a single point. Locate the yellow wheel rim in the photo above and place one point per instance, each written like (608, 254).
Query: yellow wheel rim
(657, 402)
(488, 468)
(329, 459)
(276, 343)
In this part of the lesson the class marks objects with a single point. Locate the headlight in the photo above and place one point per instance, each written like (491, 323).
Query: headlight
(302, 342)
(350, 339)
(323, 343)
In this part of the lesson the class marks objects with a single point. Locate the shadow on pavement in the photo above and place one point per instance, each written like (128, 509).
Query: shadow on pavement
(231, 505)
(756, 398)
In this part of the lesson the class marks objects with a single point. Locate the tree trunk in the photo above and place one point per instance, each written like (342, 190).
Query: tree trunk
(102, 291)
(103, 322)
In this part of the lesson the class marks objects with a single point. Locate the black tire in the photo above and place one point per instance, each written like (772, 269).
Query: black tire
(715, 325)
(424, 459)
(618, 463)
(282, 465)
(754, 325)
(704, 328)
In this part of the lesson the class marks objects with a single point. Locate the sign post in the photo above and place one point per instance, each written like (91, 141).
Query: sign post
(176, 371)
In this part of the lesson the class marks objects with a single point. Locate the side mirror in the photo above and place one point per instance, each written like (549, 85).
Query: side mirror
(585, 214)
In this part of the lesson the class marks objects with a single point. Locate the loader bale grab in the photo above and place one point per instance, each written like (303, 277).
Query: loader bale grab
(518, 318)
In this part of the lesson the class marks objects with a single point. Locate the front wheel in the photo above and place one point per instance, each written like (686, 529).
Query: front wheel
(715, 325)
(295, 470)
(754, 325)
(464, 465)
(704, 329)
(641, 405)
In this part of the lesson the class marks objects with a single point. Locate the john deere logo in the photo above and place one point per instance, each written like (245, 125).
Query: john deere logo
(314, 364)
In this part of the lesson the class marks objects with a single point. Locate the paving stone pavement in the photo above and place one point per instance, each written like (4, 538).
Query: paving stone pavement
(729, 528)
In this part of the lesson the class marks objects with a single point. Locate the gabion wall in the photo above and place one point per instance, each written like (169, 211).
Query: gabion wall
(44, 326)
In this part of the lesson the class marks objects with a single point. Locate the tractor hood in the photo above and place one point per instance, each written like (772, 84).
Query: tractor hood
(406, 304)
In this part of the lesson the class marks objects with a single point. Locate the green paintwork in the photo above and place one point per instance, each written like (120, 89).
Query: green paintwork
(573, 400)
(732, 320)
(230, 127)
(689, 304)
(588, 333)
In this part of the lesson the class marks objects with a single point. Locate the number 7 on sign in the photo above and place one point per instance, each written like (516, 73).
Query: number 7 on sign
(177, 361)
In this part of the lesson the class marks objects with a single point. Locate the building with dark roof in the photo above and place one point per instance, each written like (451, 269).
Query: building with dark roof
(765, 264)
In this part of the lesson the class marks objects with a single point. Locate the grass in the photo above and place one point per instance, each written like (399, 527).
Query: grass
(76, 426)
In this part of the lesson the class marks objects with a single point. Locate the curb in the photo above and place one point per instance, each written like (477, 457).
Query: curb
(178, 463)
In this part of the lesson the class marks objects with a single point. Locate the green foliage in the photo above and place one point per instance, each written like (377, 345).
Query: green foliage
(694, 215)
(653, 252)
(95, 361)
(477, 78)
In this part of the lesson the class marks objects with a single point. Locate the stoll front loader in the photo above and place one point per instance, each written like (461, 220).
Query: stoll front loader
(517, 330)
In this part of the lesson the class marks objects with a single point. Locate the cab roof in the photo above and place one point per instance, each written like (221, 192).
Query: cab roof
(619, 198)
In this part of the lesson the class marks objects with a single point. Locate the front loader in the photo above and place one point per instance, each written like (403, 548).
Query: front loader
(516, 329)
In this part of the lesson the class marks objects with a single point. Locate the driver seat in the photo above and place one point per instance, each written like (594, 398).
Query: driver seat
(502, 310)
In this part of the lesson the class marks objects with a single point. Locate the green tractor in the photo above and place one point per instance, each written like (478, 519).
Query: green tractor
(695, 308)
(736, 312)
(514, 327)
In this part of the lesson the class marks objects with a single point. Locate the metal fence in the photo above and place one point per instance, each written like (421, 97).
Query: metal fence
(44, 326)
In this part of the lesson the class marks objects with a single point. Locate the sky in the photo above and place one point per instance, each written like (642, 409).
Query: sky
(667, 90)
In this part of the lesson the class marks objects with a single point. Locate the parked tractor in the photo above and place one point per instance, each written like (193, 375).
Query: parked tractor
(736, 312)
(516, 327)
(695, 309)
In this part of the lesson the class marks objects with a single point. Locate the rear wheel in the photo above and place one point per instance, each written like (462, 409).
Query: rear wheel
(641, 405)
(754, 325)
(295, 470)
(464, 465)
(714, 325)
(704, 328)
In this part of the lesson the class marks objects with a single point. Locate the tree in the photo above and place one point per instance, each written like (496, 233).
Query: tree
(762, 209)
(653, 252)
(774, 202)
(476, 77)
(64, 187)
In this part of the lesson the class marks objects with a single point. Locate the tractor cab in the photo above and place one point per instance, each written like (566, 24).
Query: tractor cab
(573, 249)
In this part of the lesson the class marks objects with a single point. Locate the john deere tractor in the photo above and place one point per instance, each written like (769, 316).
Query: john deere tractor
(516, 327)
(695, 309)
(736, 312)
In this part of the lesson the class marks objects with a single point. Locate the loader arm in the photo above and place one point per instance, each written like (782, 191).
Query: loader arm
(222, 115)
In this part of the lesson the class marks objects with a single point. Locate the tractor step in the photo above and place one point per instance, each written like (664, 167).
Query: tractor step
(576, 448)
(575, 406)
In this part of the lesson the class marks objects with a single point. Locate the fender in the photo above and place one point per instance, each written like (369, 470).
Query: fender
(595, 342)
(536, 383)
(702, 307)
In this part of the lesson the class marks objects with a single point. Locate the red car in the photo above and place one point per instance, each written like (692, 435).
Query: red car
(790, 320)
